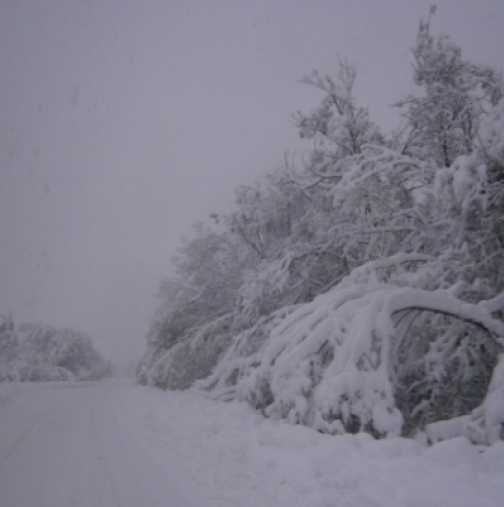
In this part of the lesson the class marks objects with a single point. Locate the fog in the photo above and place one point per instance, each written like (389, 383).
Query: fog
(123, 122)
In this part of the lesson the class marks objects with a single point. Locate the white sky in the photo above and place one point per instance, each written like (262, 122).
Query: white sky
(122, 122)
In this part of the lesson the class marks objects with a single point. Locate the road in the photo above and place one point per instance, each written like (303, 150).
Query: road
(115, 444)
(73, 445)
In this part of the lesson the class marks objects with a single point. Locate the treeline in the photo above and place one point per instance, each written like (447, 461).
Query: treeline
(364, 213)
(37, 352)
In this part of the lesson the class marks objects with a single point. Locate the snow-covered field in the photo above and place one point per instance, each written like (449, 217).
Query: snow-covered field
(116, 444)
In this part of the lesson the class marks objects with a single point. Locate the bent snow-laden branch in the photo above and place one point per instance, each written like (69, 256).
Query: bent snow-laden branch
(444, 303)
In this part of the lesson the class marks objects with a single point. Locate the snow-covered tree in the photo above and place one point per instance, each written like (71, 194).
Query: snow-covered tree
(338, 124)
(454, 94)
(361, 289)
(203, 288)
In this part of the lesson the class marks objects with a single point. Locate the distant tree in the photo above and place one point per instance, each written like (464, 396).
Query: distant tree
(8, 338)
(44, 347)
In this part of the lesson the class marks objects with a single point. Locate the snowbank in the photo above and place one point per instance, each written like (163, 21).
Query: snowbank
(246, 460)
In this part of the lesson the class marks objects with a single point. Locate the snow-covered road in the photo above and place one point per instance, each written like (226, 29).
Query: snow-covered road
(115, 444)
(77, 445)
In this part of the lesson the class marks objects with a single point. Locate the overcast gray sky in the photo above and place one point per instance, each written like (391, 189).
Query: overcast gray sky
(122, 122)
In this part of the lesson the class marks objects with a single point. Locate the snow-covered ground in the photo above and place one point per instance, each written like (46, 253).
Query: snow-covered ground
(116, 444)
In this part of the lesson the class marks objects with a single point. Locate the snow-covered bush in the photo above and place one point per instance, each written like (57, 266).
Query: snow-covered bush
(8, 348)
(242, 355)
(39, 352)
(341, 363)
(43, 346)
(45, 373)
